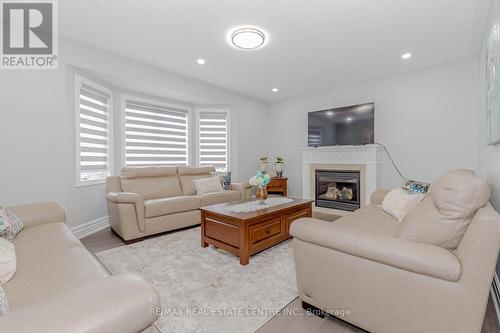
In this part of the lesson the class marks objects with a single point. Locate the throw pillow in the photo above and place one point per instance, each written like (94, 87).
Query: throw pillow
(399, 203)
(207, 185)
(7, 260)
(10, 224)
(444, 215)
(4, 306)
(413, 186)
(225, 179)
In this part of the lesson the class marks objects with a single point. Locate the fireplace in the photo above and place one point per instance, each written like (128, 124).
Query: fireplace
(337, 189)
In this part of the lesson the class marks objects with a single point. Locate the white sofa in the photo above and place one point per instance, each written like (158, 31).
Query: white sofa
(144, 201)
(61, 287)
(360, 263)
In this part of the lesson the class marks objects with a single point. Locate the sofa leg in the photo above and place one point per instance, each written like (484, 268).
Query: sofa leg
(132, 241)
(312, 309)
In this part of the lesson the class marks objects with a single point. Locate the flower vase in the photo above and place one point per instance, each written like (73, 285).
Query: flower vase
(279, 169)
(261, 194)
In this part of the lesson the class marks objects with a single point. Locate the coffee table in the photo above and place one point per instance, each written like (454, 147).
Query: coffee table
(244, 234)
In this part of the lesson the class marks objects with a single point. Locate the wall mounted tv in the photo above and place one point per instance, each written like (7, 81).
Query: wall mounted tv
(349, 125)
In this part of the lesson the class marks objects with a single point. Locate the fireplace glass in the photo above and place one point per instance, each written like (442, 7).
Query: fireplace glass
(337, 189)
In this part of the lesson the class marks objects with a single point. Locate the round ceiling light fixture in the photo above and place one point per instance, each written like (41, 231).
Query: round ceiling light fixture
(247, 37)
(406, 56)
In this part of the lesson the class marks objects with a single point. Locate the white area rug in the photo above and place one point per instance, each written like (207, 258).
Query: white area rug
(205, 289)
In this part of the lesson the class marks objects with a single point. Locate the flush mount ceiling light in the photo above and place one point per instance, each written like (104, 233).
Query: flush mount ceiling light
(275, 89)
(201, 61)
(406, 56)
(247, 37)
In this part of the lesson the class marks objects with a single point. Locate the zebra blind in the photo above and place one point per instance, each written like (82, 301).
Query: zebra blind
(213, 139)
(155, 134)
(94, 128)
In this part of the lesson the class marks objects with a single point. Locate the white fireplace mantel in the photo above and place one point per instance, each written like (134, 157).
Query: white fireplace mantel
(365, 158)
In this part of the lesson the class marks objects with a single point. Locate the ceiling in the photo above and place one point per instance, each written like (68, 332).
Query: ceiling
(313, 45)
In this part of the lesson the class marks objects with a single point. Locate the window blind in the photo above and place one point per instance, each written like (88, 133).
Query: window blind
(94, 133)
(155, 134)
(213, 139)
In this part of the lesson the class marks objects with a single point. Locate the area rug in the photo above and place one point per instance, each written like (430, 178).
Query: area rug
(206, 289)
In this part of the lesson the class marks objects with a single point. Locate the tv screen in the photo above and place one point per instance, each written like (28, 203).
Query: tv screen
(349, 125)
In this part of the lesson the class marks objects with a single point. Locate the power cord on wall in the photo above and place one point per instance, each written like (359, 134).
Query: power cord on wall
(392, 161)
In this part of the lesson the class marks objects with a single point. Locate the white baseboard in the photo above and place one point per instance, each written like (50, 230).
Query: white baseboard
(495, 295)
(91, 227)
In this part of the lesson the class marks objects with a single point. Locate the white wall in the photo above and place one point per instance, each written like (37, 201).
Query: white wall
(37, 128)
(428, 120)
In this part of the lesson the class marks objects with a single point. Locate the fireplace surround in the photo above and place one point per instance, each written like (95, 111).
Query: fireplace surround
(337, 189)
(367, 160)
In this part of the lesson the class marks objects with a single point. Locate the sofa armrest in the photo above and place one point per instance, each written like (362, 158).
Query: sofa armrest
(378, 196)
(411, 256)
(123, 303)
(125, 197)
(39, 213)
(244, 188)
(130, 198)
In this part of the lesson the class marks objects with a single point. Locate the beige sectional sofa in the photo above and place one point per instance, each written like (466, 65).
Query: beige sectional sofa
(60, 287)
(143, 201)
(393, 285)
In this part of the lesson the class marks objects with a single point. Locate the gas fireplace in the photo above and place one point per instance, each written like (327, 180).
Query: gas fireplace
(338, 189)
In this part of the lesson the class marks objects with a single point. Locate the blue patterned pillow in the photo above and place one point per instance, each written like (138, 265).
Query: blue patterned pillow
(416, 187)
(10, 224)
(225, 179)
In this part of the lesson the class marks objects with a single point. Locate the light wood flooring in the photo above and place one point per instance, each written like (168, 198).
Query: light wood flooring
(283, 323)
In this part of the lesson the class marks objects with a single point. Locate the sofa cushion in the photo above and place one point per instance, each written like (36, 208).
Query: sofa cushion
(443, 216)
(372, 219)
(148, 172)
(51, 275)
(38, 242)
(7, 260)
(165, 206)
(208, 199)
(151, 182)
(187, 183)
(199, 170)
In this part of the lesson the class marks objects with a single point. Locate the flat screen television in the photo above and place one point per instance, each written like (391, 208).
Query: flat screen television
(349, 125)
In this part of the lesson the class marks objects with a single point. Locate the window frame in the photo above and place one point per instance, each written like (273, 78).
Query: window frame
(196, 147)
(79, 81)
(148, 100)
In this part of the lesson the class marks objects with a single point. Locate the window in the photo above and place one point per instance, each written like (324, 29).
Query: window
(154, 133)
(213, 134)
(94, 131)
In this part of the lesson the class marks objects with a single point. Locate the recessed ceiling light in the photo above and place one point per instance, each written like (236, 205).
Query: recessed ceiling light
(349, 119)
(406, 56)
(201, 61)
(275, 89)
(247, 37)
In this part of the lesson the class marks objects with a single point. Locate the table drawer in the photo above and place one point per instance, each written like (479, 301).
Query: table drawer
(265, 230)
(276, 185)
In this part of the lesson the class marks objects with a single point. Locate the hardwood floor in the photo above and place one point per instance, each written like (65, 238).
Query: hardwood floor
(283, 322)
